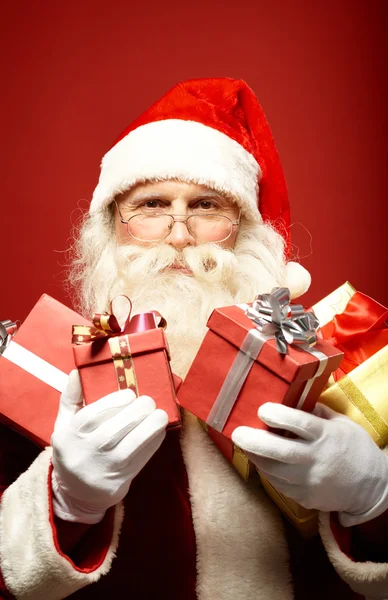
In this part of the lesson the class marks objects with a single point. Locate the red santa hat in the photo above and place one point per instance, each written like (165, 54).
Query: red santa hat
(212, 132)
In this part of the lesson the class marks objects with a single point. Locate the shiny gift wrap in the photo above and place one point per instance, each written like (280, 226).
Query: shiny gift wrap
(245, 361)
(362, 395)
(355, 323)
(135, 355)
(34, 367)
(368, 335)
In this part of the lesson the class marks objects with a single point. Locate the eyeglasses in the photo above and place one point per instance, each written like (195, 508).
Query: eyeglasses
(156, 227)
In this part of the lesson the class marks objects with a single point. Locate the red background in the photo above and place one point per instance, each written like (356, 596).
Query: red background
(74, 74)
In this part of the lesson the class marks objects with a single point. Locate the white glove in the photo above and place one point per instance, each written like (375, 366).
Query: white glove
(98, 449)
(332, 465)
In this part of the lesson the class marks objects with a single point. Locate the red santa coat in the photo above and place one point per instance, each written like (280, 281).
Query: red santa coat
(192, 530)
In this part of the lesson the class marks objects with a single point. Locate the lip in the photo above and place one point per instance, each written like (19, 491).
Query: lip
(183, 270)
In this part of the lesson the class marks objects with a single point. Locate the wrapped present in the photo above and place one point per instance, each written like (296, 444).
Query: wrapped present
(357, 324)
(135, 355)
(7, 329)
(305, 520)
(354, 323)
(362, 395)
(333, 304)
(232, 453)
(34, 366)
(252, 355)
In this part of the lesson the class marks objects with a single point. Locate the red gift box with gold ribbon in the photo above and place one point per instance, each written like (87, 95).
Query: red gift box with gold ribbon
(135, 355)
(36, 360)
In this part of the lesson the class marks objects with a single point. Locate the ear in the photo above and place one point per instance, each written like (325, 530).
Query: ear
(298, 279)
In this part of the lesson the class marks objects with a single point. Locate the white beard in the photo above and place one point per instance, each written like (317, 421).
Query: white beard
(100, 270)
(219, 278)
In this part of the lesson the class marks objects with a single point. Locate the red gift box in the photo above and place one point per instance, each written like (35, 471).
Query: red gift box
(273, 377)
(34, 368)
(42, 345)
(136, 357)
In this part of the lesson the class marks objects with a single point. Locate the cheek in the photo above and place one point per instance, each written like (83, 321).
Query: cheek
(230, 242)
(123, 237)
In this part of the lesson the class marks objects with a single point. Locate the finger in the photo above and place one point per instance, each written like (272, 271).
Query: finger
(285, 472)
(91, 416)
(299, 493)
(302, 424)
(71, 400)
(114, 429)
(135, 443)
(270, 445)
(140, 458)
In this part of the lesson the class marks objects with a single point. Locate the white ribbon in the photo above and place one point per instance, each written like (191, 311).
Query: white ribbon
(36, 366)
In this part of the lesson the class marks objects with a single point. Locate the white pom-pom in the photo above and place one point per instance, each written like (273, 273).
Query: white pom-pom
(298, 279)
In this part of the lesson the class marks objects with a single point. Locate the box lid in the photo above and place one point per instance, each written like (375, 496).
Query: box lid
(233, 325)
(47, 332)
(99, 351)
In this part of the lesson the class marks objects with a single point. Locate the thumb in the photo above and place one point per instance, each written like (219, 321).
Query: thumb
(71, 400)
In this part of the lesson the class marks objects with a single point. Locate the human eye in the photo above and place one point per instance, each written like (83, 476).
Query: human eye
(153, 205)
(205, 205)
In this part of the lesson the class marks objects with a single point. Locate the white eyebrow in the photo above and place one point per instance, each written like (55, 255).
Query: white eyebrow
(144, 196)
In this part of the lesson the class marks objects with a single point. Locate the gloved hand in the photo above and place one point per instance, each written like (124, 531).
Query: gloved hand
(333, 464)
(98, 449)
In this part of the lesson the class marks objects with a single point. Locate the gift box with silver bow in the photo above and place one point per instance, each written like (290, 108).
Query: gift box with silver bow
(266, 352)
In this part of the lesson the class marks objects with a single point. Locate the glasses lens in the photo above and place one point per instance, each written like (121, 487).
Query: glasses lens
(150, 228)
(209, 228)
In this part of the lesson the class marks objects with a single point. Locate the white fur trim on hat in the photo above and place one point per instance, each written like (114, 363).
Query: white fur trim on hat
(186, 150)
(30, 564)
(298, 279)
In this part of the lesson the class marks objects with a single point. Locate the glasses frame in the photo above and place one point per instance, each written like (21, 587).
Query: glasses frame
(182, 219)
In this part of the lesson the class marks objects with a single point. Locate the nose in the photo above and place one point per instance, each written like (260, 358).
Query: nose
(179, 237)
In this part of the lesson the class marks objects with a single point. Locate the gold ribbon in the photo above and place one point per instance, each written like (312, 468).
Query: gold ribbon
(123, 364)
(358, 399)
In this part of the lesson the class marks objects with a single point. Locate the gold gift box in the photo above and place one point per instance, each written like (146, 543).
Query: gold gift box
(304, 519)
(362, 395)
(333, 304)
(232, 453)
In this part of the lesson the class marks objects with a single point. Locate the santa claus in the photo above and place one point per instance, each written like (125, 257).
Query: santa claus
(190, 213)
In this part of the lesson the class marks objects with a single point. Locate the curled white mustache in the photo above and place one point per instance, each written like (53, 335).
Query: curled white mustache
(206, 262)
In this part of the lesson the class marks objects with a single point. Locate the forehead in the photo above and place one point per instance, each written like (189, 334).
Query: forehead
(171, 190)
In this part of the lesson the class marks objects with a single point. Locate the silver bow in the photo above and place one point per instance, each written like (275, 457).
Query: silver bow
(5, 337)
(289, 324)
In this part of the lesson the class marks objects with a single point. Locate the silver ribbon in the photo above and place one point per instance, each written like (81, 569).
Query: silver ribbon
(274, 317)
(289, 324)
(5, 337)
